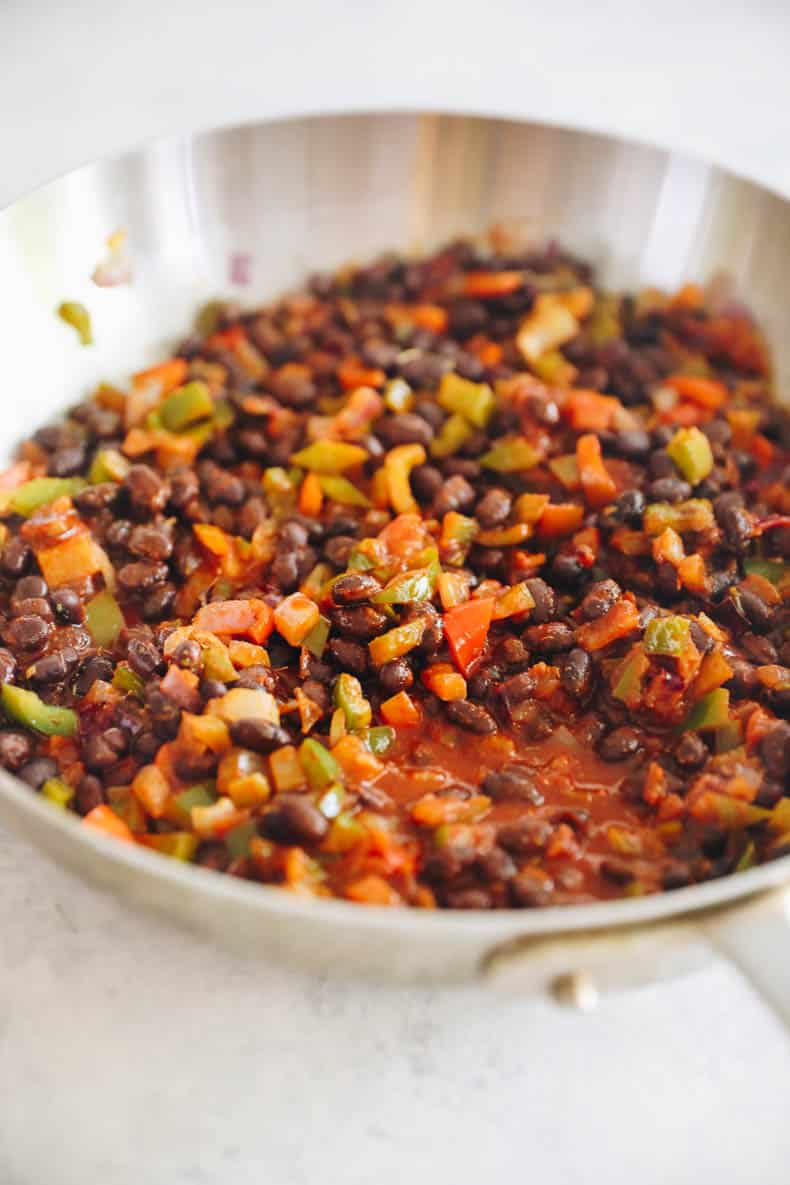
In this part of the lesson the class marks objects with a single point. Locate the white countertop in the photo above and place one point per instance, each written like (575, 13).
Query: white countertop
(130, 1055)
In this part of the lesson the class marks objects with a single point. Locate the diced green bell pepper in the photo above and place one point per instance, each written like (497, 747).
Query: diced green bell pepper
(453, 433)
(40, 491)
(772, 570)
(178, 845)
(712, 711)
(690, 449)
(320, 767)
(78, 317)
(127, 680)
(186, 406)
(748, 858)
(104, 618)
(202, 794)
(474, 401)
(418, 585)
(511, 455)
(237, 840)
(348, 696)
(340, 489)
(57, 791)
(28, 709)
(667, 635)
(628, 688)
(694, 515)
(316, 640)
(329, 456)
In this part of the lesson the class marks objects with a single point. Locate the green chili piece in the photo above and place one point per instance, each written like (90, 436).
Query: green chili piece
(380, 739)
(712, 711)
(348, 696)
(667, 635)
(27, 708)
(104, 618)
(340, 489)
(690, 449)
(40, 491)
(108, 465)
(408, 587)
(474, 401)
(694, 515)
(126, 806)
(748, 858)
(57, 791)
(511, 455)
(772, 570)
(202, 794)
(320, 767)
(359, 562)
(186, 406)
(78, 317)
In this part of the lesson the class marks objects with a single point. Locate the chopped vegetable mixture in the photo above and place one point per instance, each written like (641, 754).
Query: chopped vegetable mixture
(456, 583)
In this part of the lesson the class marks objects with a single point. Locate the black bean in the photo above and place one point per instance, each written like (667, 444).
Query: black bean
(462, 467)
(165, 715)
(285, 570)
(599, 599)
(141, 576)
(379, 354)
(38, 771)
(147, 491)
(53, 668)
(758, 649)
(151, 542)
(691, 752)
(472, 717)
(744, 677)
(567, 571)
(431, 412)
(255, 676)
(357, 586)
(184, 487)
(349, 656)
(30, 586)
(118, 533)
(701, 638)
(471, 898)
(94, 499)
(512, 652)
(455, 494)
(68, 606)
(212, 688)
(619, 744)
(754, 608)
(258, 735)
(186, 655)
(669, 489)
(158, 603)
(552, 638)
(661, 465)
(17, 557)
(518, 688)
(294, 820)
(493, 508)
(292, 385)
(104, 749)
(32, 607)
(395, 676)
(526, 836)
(633, 443)
(545, 600)
(404, 428)
(775, 751)
(89, 794)
(143, 657)
(26, 633)
(426, 481)
(576, 673)
(628, 508)
(67, 461)
(95, 668)
(423, 370)
(616, 871)
(733, 520)
(496, 865)
(512, 782)
(433, 633)
(362, 623)
(16, 748)
(466, 318)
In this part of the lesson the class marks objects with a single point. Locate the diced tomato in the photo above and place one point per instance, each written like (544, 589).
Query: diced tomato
(466, 629)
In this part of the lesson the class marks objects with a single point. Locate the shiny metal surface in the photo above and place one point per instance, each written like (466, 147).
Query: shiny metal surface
(299, 195)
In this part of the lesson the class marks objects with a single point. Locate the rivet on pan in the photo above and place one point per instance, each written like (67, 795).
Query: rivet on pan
(575, 989)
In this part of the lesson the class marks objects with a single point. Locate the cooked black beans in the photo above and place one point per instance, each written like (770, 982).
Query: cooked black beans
(348, 590)
(471, 717)
(576, 673)
(258, 735)
(16, 748)
(513, 782)
(395, 676)
(619, 744)
(294, 820)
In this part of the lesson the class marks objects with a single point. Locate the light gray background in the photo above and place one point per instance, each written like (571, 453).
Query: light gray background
(128, 1053)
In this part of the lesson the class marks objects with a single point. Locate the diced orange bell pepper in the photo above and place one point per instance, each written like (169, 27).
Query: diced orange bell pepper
(589, 411)
(253, 618)
(355, 759)
(167, 375)
(352, 374)
(104, 819)
(372, 890)
(492, 284)
(311, 496)
(618, 622)
(182, 688)
(294, 617)
(226, 339)
(74, 559)
(560, 518)
(597, 483)
(444, 682)
(214, 539)
(400, 710)
(466, 629)
(152, 790)
(707, 393)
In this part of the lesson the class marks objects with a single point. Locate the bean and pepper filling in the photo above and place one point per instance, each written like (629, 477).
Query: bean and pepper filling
(457, 582)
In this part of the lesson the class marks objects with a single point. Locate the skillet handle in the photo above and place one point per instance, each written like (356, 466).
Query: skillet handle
(755, 937)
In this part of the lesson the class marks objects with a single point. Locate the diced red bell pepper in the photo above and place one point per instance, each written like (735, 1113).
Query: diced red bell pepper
(466, 629)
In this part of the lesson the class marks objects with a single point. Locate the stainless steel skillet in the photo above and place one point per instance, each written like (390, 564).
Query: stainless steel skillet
(247, 211)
